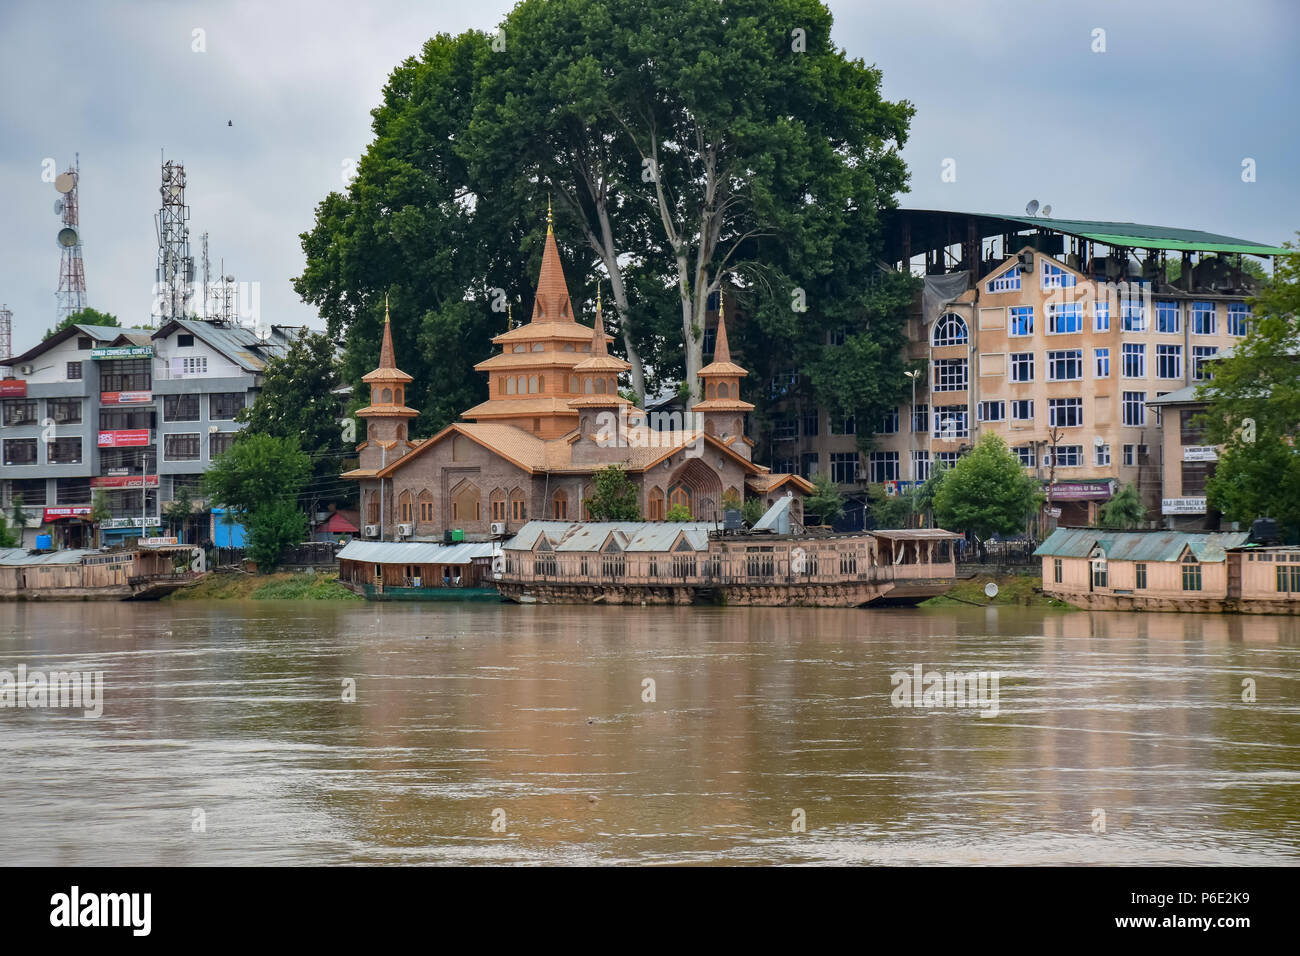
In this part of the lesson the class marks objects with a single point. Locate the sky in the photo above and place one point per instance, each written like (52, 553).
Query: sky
(1148, 121)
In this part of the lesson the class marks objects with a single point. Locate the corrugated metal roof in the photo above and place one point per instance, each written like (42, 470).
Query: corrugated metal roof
(415, 552)
(590, 536)
(915, 534)
(239, 343)
(1140, 545)
(18, 557)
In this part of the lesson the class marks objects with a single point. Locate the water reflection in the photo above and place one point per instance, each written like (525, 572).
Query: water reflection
(235, 709)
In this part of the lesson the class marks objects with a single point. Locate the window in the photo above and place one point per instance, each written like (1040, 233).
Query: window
(1191, 574)
(784, 382)
(219, 443)
(498, 506)
(222, 406)
(1022, 320)
(782, 466)
(1056, 570)
(426, 508)
(1022, 366)
(784, 429)
(20, 451)
(72, 491)
(33, 490)
(809, 464)
(1135, 360)
(848, 425)
(1067, 456)
(184, 341)
(921, 418)
(122, 460)
(1288, 578)
(1101, 362)
(1063, 317)
(64, 451)
(65, 411)
(183, 447)
(1129, 459)
(710, 340)
(19, 411)
(1140, 576)
(1203, 318)
(950, 375)
(1026, 455)
(883, 466)
(951, 421)
(992, 411)
(844, 467)
(181, 408)
(1009, 281)
(1064, 412)
(113, 419)
(518, 508)
(1195, 476)
(1135, 409)
(1099, 575)
(1022, 410)
(1201, 354)
(1101, 455)
(921, 465)
(1054, 277)
(126, 375)
(1100, 316)
(1238, 318)
(1065, 365)
(947, 458)
(1167, 318)
(950, 329)
(194, 365)
(1133, 314)
(74, 371)
(810, 423)
(1190, 430)
(1169, 361)
(889, 422)
(84, 342)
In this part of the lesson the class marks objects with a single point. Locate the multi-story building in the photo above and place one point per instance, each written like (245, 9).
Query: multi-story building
(1055, 335)
(139, 413)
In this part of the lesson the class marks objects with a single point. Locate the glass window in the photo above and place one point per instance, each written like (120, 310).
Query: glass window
(1201, 354)
(1101, 359)
(1139, 576)
(1101, 455)
(72, 491)
(222, 406)
(65, 411)
(1203, 318)
(1067, 456)
(1022, 366)
(1054, 277)
(1026, 455)
(810, 423)
(848, 425)
(1238, 318)
(74, 371)
(785, 428)
(1008, 281)
(182, 447)
(889, 422)
(950, 375)
(1167, 318)
(1021, 320)
(844, 467)
(1064, 317)
(64, 451)
(1065, 412)
(20, 451)
(992, 411)
(181, 408)
(1133, 314)
(883, 466)
(1101, 316)
(1065, 365)
(1191, 574)
(1056, 570)
(1135, 408)
(1135, 360)
(921, 418)
(921, 465)
(19, 411)
(950, 329)
(113, 419)
(951, 422)
(219, 443)
(1022, 410)
(1169, 361)
(126, 375)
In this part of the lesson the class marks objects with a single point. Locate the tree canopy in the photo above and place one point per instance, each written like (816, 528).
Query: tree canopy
(614, 496)
(987, 492)
(86, 316)
(1124, 510)
(260, 477)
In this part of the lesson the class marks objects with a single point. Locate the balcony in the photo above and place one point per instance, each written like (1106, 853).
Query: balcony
(164, 372)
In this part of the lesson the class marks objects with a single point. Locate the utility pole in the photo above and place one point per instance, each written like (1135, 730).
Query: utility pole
(1054, 436)
(144, 479)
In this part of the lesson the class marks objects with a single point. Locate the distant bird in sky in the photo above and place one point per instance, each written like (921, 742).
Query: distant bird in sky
(230, 122)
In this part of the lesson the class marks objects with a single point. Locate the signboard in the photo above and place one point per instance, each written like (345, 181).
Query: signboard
(1082, 490)
(124, 481)
(124, 439)
(13, 388)
(112, 523)
(1054, 512)
(894, 488)
(67, 511)
(122, 351)
(125, 398)
(159, 540)
(1200, 453)
(1182, 506)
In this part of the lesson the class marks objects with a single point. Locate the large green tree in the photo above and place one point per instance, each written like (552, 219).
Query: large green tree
(1254, 408)
(987, 492)
(260, 478)
(613, 496)
(86, 316)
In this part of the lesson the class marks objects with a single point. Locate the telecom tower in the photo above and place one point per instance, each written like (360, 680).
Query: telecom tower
(175, 275)
(6, 334)
(72, 271)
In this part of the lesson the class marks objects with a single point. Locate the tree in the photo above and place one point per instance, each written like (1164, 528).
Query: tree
(678, 512)
(614, 496)
(1254, 408)
(752, 510)
(179, 509)
(272, 528)
(19, 516)
(297, 401)
(260, 477)
(1251, 267)
(7, 538)
(826, 504)
(891, 511)
(100, 509)
(84, 317)
(987, 492)
(1124, 510)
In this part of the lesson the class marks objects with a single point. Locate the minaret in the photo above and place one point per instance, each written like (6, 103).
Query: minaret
(386, 415)
(601, 414)
(722, 411)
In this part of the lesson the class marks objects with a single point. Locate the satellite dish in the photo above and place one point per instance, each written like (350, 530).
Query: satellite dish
(58, 207)
(64, 182)
(1032, 207)
(230, 278)
(67, 236)
(1047, 210)
(1098, 440)
(263, 332)
(991, 590)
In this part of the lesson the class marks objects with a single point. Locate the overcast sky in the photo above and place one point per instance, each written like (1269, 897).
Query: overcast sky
(1154, 129)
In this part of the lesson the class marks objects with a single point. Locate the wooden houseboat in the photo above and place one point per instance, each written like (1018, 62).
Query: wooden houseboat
(143, 573)
(418, 571)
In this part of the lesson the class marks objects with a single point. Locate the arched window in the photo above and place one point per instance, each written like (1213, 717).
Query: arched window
(405, 504)
(587, 492)
(711, 390)
(510, 385)
(737, 426)
(387, 398)
(498, 505)
(723, 391)
(397, 395)
(708, 428)
(560, 504)
(588, 387)
(573, 384)
(466, 502)
(950, 329)
(568, 347)
(426, 506)
(655, 504)
(538, 347)
(600, 386)
(518, 506)
(679, 494)
(520, 348)
(532, 385)
(541, 383)
(401, 431)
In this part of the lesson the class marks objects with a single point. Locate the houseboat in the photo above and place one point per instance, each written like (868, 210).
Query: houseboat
(656, 562)
(1170, 571)
(143, 573)
(418, 571)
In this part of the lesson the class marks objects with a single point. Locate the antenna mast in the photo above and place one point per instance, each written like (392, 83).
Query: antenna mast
(72, 271)
(175, 272)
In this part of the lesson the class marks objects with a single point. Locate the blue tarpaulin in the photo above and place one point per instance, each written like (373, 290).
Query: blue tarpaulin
(226, 533)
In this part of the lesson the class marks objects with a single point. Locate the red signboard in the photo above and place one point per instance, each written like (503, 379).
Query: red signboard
(68, 511)
(123, 481)
(123, 439)
(1081, 491)
(13, 388)
(125, 398)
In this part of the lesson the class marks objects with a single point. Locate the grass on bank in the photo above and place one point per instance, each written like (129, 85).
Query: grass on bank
(1018, 590)
(282, 586)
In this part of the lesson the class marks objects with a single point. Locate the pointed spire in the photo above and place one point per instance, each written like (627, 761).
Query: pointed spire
(386, 359)
(598, 333)
(510, 316)
(552, 301)
(550, 220)
(721, 351)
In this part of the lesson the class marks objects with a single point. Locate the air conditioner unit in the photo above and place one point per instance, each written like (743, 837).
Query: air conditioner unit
(372, 531)
(404, 530)
(498, 527)
(26, 369)
(1026, 261)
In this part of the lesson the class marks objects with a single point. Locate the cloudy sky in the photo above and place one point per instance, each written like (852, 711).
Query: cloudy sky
(1154, 129)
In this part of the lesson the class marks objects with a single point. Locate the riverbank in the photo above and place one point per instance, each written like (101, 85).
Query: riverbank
(282, 586)
(1017, 590)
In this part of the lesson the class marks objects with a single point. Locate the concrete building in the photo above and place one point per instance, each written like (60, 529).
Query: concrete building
(139, 413)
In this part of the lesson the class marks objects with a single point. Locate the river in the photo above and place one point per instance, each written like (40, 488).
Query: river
(485, 733)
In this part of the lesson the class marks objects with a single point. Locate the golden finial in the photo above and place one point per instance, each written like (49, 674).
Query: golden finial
(510, 316)
(385, 308)
(722, 309)
(550, 221)
(597, 295)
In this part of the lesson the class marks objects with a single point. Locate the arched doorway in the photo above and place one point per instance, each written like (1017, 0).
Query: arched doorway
(697, 487)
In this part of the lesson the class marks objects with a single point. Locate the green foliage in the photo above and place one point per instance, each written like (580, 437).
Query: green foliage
(825, 504)
(1124, 510)
(84, 317)
(730, 500)
(1257, 480)
(1249, 265)
(614, 496)
(752, 510)
(100, 509)
(18, 517)
(179, 509)
(271, 528)
(261, 477)
(987, 492)
(678, 512)
(891, 512)
(7, 538)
